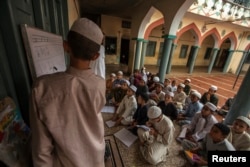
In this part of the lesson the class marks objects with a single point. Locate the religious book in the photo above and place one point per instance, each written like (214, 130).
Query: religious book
(146, 128)
(126, 137)
(191, 156)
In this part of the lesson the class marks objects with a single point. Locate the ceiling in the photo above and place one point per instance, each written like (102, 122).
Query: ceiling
(121, 8)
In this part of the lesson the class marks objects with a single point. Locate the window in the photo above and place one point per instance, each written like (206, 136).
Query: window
(110, 45)
(126, 24)
(183, 52)
(151, 49)
(208, 53)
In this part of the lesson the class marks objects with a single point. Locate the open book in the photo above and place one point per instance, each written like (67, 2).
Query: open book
(191, 156)
(126, 137)
(146, 128)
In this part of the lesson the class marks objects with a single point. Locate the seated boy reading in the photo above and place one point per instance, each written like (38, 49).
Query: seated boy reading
(238, 135)
(214, 141)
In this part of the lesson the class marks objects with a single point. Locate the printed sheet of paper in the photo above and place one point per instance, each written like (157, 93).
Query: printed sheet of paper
(108, 109)
(183, 132)
(110, 123)
(126, 137)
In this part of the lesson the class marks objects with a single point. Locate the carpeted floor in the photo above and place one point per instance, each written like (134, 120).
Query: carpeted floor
(131, 156)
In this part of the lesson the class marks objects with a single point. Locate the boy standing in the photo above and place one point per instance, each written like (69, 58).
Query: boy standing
(66, 122)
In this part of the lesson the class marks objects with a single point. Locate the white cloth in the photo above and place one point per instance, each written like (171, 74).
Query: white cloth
(98, 66)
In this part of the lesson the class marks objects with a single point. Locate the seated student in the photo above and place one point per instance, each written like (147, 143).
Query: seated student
(226, 107)
(109, 84)
(167, 85)
(214, 141)
(201, 124)
(168, 107)
(142, 87)
(187, 87)
(118, 93)
(173, 86)
(194, 107)
(238, 135)
(155, 142)
(180, 96)
(118, 80)
(135, 77)
(140, 117)
(127, 108)
(210, 96)
(158, 95)
(152, 84)
(188, 99)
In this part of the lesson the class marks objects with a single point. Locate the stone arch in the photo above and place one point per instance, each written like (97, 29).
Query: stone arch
(194, 29)
(215, 34)
(232, 37)
(152, 26)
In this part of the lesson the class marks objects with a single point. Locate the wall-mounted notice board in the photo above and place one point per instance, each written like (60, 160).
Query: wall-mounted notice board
(44, 51)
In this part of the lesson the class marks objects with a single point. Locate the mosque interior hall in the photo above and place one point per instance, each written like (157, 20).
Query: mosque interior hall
(207, 41)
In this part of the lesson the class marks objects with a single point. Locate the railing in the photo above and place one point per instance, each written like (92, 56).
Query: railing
(235, 11)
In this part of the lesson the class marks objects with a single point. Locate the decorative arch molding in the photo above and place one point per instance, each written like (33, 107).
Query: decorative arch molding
(232, 38)
(248, 47)
(145, 21)
(191, 27)
(215, 34)
(152, 26)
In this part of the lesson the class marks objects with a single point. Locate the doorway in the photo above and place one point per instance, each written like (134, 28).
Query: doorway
(223, 58)
(190, 56)
(124, 51)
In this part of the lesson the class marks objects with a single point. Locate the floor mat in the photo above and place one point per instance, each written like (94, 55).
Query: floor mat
(114, 160)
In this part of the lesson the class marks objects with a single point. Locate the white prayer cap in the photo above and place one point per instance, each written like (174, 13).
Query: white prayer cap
(189, 80)
(156, 79)
(214, 88)
(154, 112)
(88, 29)
(211, 106)
(119, 73)
(133, 88)
(128, 83)
(113, 75)
(181, 85)
(244, 119)
(171, 94)
(197, 94)
(161, 84)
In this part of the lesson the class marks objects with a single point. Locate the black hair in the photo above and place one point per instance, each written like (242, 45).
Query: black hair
(144, 96)
(225, 130)
(82, 47)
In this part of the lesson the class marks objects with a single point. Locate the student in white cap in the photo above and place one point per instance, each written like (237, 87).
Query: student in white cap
(118, 93)
(238, 135)
(72, 105)
(195, 106)
(187, 87)
(201, 124)
(152, 85)
(127, 107)
(167, 85)
(154, 143)
(158, 95)
(118, 80)
(210, 96)
(168, 107)
(180, 96)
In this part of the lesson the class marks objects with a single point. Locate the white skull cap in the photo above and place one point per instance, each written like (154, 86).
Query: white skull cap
(197, 94)
(133, 88)
(88, 29)
(244, 119)
(156, 79)
(211, 106)
(214, 88)
(154, 112)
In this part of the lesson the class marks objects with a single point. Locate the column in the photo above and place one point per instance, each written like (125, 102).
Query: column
(143, 54)
(211, 64)
(191, 67)
(138, 53)
(170, 58)
(241, 104)
(244, 56)
(168, 40)
(229, 58)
